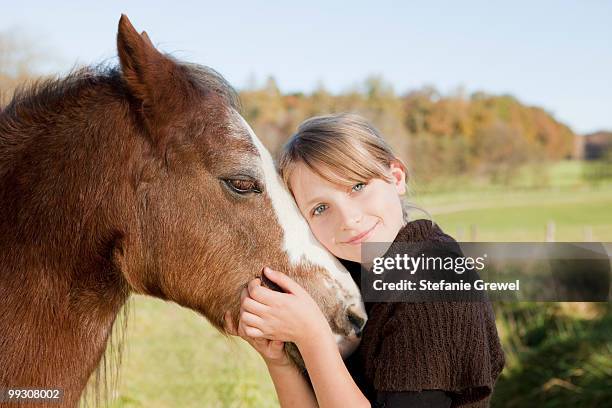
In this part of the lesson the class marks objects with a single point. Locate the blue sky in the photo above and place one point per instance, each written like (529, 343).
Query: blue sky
(554, 54)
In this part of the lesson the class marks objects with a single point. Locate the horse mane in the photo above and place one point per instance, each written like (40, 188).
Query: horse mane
(39, 96)
(39, 99)
(103, 383)
(209, 79)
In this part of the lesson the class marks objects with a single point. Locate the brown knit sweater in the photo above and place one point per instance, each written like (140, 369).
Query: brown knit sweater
(449, 346)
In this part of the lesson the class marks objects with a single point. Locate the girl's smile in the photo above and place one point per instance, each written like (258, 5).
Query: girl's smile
(364, 236)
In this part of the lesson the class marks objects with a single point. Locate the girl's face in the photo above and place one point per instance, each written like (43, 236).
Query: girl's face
(342, 218)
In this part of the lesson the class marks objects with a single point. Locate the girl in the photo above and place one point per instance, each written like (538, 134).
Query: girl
(348, 185)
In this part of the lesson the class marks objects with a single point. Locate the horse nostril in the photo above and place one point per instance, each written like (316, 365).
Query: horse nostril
(357, 322)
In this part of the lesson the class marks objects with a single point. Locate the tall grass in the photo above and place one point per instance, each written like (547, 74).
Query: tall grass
(554, 358)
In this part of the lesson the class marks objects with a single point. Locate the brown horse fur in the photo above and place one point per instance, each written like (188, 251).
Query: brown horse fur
(115, 181)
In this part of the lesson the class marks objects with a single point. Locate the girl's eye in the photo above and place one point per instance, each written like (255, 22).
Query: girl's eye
(319, 209)
(358, 187)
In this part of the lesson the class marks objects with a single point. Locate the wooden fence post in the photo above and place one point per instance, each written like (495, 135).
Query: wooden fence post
(588, 233)
(460, 234)
(550, 231)
(473, 232)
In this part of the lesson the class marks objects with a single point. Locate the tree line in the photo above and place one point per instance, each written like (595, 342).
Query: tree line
(438, 135)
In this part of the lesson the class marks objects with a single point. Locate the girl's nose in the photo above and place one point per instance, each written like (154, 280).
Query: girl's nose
(350, 217)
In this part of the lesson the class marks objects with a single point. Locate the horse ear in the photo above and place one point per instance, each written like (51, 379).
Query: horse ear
(150, 76)
(139, 59)
(145, 37)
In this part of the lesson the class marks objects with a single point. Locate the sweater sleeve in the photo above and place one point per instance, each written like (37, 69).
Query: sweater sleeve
(438, 346)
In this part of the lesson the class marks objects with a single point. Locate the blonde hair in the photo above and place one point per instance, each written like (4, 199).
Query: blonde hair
(343, 149)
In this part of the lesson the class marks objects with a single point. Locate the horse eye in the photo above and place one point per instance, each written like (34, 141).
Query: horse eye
(242, 186)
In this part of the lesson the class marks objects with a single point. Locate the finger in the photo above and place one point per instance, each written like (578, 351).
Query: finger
(249, 319)
(251, 305)
(282, 280)
(229, 324)
(241, 332)
(266, 296)
(276, 344)
(244, 293)
(253, 283)
(253, 332)
(255, 292)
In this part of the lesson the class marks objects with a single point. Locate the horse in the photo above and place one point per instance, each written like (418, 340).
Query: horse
(138, 178)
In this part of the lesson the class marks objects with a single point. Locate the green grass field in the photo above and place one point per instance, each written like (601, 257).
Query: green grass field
(175, 359)
(510, 216)
(520, 212)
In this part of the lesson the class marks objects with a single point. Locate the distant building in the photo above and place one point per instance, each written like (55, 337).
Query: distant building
(593, 146)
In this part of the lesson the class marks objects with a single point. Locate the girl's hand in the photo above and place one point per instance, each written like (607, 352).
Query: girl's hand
(291, 316)
(272, 351)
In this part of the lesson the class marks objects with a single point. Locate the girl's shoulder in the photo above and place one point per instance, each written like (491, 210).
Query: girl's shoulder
(422, 230)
